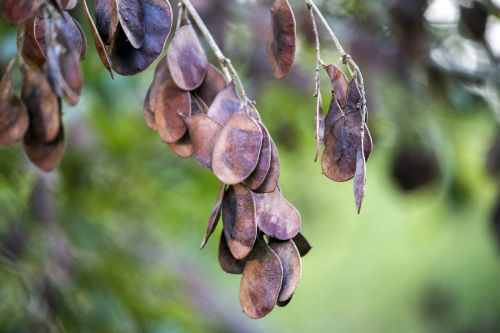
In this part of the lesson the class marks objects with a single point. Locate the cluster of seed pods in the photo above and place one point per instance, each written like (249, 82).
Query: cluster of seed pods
(197, 113)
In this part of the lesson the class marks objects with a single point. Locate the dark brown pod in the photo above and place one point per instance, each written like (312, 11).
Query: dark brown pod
(182, 147)
(127, 60)
(149, 116)
(236, 152)
(302, 244)
(27, 43)
(83, 49)
(340, 84)
(261, 281)
(270, 183)
(225, 105)
(276, 217)
(204, 132)
(16, 11)
(75, 38)
(292, 267)
(42, 105)
(45, 155)
(258, 176)
(238, 217)
(213, 220)
(106, 19)
(227, 262)
(161, 75)
(359, 179)
(213, 83)
(281, 44)
(131, 16)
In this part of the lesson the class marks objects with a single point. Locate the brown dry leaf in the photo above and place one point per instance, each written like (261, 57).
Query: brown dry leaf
(339, 83)
(261, 281)
(271, 181)
(281, 44)
(45, 155)
(204, 132)
(292, 267)
(183, 147)
(238, 218)
(42, 105)
(131, 16)
(276, 217)
(186, 59)
(359, 179)
(127, 60)
(320, 125)
(236, 152)
(258, 176)
(106, 19)
(225, 105)
(16, 11)
(213, 220)
(213, 83)
(227, 262)
(27, 43)
(302, 244)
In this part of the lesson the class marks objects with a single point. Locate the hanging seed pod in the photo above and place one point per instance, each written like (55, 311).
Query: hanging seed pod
(214, 216)
(236, 152)
(149, 116)
(45, 155)
(238, 217)
(319, 125)
(131, 17)
(292, 267)
(106, 19)
(182, 147)
(212, 85)
(258, 176)
(270, 183)
(75, 38)
(186, 59)
(276, 217)
(161, 75)
(83, 49)
(227, 262)
(69, 4)
(281, 44)
(340, 84)
(16, 11)
(29, 48)
(42, 105)
(127, 60)
(261, 281)
(359, 179)
(204, 132)
(302, 244)
(225, 105)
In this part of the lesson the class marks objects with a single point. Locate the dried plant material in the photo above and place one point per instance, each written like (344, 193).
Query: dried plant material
(359, 179)
(45, 155)
(258, 176)
(281, 46)
(16, 11)
(106, 19)
(182, 147)
(213, 220)
(149, 116)
(238, 217)
(197, 105)
(261, 281)
(42, 105)
(30, 50)
(131, 16)
(83, 49)
(340, 84)
(302, 244)
(285, 303)
(69, 4)
(225, 105)
(204, 132)
(270, 183)
(319, 125)
(213, 83)
(127, 60)
(276, 217)
(292, 267)
(236, 152)
(74, 36)
(186, 59)
(227, 262)
(99, 44)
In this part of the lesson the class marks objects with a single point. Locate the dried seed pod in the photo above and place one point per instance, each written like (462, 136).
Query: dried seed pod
(276, 217)
(237, 150)
(131, 16)
(161, 75)
(16, 11)
(213, 83)
(42, 105)
(45, 155)
(197, 105)
(225, 105)
(238, 217)
(319, 125)
(261, 281)
(258, 176)
(182, 147)
(204, 132)
(227, 262)
(75, 38)
(214, 216)
(28, 45)
(281, 44)
(292, 267)
(302, 244)
(83, 49)
(359, 179)
(127, 60)
(270, 183)
(149, 116)
(69, 4)
(339, 83)
(186, 59)
(106, 19)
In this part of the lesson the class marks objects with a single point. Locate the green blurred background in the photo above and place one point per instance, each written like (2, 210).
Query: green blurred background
(110, 241)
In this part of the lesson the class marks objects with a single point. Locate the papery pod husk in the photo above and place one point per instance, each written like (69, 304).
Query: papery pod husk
(30, 50)
(106, 19)
(225, 104)
(131, 17)
(302, 244)
(149, 115)
(214, 217)
(204, 132)
(227, 262)
(270, 183)
(69, 4)
(292, 267)
(282, 40)
(339, 82)
(261, 281)
(258, 176)
(183, 147)
(161, 74)
(359, 180)
(212, 85)
(83, 50)
(45, 155)
(16, 11)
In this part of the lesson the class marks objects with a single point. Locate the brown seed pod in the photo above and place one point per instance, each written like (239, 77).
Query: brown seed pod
(237, 150)
(261, 281)
(319, 125)
(27, 44)
(127, 60)
(339, 83)
(45, 155)
(213, 83)
(182, 147)
(359, 179)
(258, 176)
(227, 262)
(16, 11)
(42, 105)
(197, 105)
(238, 217)
(292, 267)
(186, 59)
(131, 16)
(83, 49)
(106, 19)
(149, 116)
(270, 183)
(204, 132)
(69, 4)
(225, 105)
(302, 244)
(276, 217)
(213, 220)
(281, 44)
